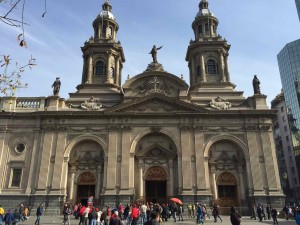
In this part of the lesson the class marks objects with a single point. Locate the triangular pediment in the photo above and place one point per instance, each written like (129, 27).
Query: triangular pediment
(156, 103)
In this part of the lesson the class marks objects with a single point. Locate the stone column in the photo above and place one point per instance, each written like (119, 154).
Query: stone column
(241, 184)
(141, 179)
(221, 65)
(171, 177)
(249, 177)
(206, 171)
(203, 73)
(72, 181)
(226, 67)
(108, 68)
(98, 184)
(214, 183)
(131, 171)
(117, 69)
(33, 162)
(186, 149)
(193, 71)
(90, 71)
(105, 173)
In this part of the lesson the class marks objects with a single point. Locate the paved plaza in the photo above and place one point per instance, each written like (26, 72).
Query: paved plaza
(245, 221)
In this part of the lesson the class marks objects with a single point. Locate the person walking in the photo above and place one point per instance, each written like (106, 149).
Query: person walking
(155, 218)
(199, 214)
(180, 212)
(144, 213)
(274, 215)
(8, 217)
(1, 214)
(268, 209)
(297, 217)
(39, 213)
(235, 217)
(66, 214)
(134, 215)
(17, 217)
(215, 212)
(116, 219)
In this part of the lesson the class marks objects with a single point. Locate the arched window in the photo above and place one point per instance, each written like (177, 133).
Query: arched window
(211, 66)
(206, 27)
(198, 71)
(100, 68)
(200, 29)
(109, 32)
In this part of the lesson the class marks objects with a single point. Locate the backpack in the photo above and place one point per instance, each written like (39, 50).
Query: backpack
(237, 218)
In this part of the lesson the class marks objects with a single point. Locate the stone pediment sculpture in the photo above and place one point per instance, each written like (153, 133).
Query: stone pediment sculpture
(155, 85)
(220, 103)
(156, 103)
(155, 67)
(90, 104)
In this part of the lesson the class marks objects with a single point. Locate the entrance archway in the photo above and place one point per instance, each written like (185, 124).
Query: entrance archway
(86, 185)
(156, 185)
(227, 191)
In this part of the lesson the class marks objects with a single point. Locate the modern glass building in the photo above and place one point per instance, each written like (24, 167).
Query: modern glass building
(289, 67)
(298, 7)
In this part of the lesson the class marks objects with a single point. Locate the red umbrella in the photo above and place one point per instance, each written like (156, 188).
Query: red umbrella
(176, 200)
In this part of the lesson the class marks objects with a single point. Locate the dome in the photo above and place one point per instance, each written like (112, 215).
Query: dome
(107, 14)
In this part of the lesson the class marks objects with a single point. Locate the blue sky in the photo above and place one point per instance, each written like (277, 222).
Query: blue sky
(257, 30)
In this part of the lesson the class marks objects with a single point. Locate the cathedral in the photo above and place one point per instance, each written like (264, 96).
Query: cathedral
(150, 139)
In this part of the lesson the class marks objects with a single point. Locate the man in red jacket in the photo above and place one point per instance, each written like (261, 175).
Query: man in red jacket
(134, 215)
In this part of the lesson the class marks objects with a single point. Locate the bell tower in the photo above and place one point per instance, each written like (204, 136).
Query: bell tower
(103, 59)
(207, 55)
(103, 54)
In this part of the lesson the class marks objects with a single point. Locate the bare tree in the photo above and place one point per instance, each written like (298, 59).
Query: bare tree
(11, 79)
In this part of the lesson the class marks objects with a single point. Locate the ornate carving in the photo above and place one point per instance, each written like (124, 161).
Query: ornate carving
(156, 173)
(90, 104)
(251, 127)
(119, 127)
(86, 178)
(155, 85)
(220, 103)
(155, 129)
(226, 179)
(186, 127)
(155, 67)
(20, 143)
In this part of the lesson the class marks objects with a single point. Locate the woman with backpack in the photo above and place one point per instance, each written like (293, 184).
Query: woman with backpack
(235, 217)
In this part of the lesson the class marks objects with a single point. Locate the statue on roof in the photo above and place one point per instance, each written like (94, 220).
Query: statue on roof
(56, 86)
(256, 85)
(154, 53)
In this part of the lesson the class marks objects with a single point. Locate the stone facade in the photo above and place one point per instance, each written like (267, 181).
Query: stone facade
(151, 139)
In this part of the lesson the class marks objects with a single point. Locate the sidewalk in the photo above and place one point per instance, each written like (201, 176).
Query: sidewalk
(47, 220)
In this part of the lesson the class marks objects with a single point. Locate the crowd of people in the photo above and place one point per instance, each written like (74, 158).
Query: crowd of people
(147, 214)
(13, 217)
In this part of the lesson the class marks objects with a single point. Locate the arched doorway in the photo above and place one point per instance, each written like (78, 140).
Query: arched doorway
(85, 171)
(156, 164)
(86, 185)
(227, 192)
(227, 167)
(156, 185)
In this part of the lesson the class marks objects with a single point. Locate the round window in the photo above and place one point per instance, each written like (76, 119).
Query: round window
(20, 148)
